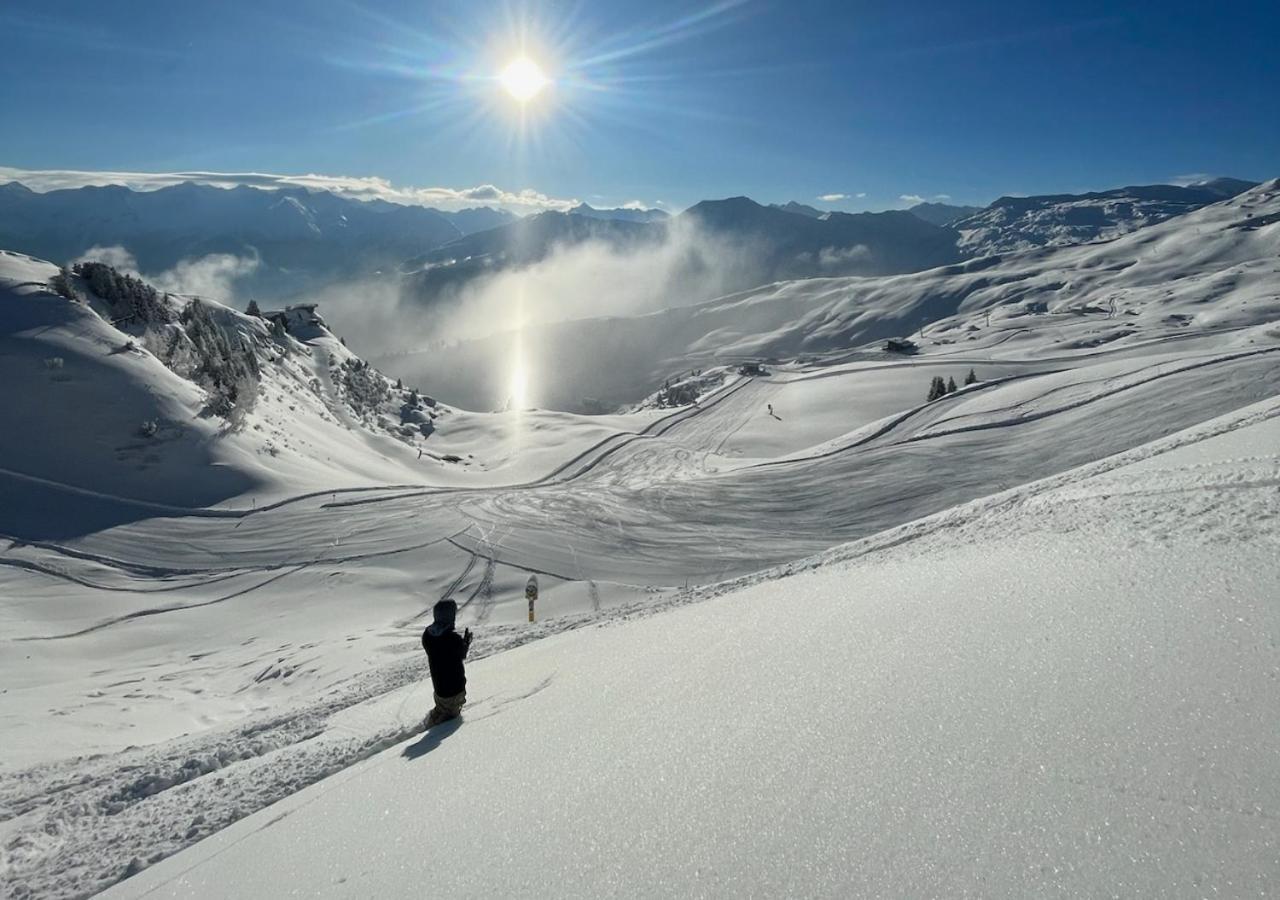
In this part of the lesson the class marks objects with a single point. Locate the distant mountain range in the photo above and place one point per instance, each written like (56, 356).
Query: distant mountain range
(800, 209)
(942, 213)
(1057, 220)
(1212, 267)
(518, 244)
(787, 244)
(303, 239)
(748, 243)
(300, 237)
(621, 214)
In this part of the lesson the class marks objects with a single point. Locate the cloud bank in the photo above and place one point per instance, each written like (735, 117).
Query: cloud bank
(526, 200)
(459, 343)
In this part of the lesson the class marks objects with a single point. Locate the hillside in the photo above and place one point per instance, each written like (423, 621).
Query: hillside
(113, 413)
(1011, 224)
(813, 731)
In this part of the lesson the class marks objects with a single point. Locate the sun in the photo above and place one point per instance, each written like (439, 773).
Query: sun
(524, 79)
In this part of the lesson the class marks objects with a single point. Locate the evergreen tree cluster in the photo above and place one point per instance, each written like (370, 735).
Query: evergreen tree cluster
(62, 286)
(229, 372)
(364, 386)
(939, 388)
(131, 299)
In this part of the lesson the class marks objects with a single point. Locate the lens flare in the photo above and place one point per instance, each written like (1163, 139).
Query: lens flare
(519, 386)
(524, 79)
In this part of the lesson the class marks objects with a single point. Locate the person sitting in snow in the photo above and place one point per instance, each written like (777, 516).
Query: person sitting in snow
(446, 650)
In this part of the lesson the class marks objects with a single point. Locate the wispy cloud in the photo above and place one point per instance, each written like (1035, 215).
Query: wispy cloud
(834, 198)
(913, 199)
(526, 200)
(1190, 179)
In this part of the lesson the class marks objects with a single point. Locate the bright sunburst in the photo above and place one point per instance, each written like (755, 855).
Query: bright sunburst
(524, 79)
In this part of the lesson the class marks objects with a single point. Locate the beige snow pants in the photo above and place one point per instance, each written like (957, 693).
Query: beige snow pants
(446, 708)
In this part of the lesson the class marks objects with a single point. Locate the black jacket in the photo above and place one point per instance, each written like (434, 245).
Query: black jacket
(445, 653)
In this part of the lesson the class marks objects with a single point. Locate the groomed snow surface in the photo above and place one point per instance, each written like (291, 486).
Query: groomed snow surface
(1068, 689)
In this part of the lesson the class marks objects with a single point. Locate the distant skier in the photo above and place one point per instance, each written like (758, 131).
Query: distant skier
(770, 409)
(446, 649)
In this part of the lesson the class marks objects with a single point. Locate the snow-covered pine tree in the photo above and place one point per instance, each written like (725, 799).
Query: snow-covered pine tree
(951, 385)
(971, 378)
(936, 388)
(230, 374)
(132, 300)
(61, 284)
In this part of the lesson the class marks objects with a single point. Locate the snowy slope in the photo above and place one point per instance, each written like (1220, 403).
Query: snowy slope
(1020, 223)
(216, 664)
(1058, 690)
(80, 390)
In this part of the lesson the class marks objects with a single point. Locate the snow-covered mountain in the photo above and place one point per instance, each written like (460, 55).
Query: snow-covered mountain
(478, 218)
(1057, 220)
(800, 209)
(942, 213)
(298, 238)
(182, 403)
(746, 243)
(791, 245)
(621, 213)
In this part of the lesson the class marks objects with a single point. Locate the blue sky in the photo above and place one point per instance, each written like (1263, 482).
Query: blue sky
(653, 101)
